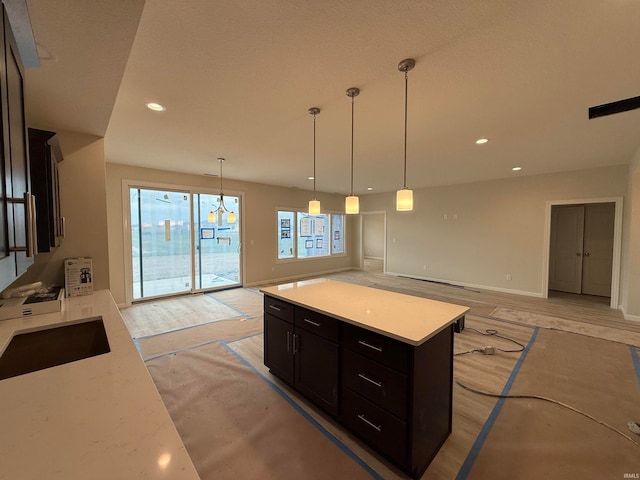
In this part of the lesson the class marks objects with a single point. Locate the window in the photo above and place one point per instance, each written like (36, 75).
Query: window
(301, 235)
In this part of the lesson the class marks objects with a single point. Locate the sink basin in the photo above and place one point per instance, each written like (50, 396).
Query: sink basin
(49, 347)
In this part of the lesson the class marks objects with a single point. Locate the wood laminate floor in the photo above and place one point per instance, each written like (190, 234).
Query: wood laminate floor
(577, 314)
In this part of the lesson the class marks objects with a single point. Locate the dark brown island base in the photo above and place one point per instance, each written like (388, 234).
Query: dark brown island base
(380, 363)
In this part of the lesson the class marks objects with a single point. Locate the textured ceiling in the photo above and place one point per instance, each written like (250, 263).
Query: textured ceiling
(238, 76)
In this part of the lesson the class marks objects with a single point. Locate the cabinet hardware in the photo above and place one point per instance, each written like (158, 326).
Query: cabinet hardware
(578, 254)
(311, 322)
(365, 344)
(288, 341)
(31, 246)
(364, 377)
(32, 229)
(372, 425)
(277, 309)
(295, 343)
(587, 254)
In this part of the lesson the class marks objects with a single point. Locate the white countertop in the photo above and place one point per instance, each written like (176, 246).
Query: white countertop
(97, 418)
(406, 318)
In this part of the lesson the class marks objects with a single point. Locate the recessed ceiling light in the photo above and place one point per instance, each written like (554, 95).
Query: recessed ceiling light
(480, 141)
(369, 188)
(516, 169)
(310, 178)
(156, 107)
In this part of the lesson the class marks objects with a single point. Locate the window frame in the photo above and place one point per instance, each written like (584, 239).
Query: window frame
(294, 235)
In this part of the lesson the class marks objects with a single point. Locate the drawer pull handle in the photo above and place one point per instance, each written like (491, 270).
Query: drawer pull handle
(295, 343)
(312, 322)
(277, 309)
(365, 344)
(372, 425)
(364, 377)
(288, 341)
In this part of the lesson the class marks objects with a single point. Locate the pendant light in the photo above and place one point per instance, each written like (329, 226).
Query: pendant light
(216, 214)
(314, 205)
(352, 203)
(404, 196)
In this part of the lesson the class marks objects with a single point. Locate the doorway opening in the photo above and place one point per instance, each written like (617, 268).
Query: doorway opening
(373, 247)
(582, 257)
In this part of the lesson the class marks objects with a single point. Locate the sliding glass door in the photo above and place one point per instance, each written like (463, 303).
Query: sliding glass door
(177, 246)
(217, 262)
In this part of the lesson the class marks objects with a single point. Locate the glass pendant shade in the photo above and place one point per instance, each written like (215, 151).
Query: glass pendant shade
(404, 200)
(211, 218)
(352, 205)
(231, 218)
(314, 207)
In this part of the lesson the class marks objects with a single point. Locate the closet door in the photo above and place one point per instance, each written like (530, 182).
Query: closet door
(598, 249)
(565, 255)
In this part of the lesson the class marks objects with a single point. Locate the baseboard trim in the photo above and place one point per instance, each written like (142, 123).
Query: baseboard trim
(468, 285)
(628, 316)
(293, 278)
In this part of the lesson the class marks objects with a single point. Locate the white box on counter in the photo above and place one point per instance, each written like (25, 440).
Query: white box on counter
(78, 276)
(36, 304)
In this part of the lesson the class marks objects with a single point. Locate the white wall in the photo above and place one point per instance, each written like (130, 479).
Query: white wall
(83, 204)
(631, 244)
(373, 235)
(491, 229)
(259, 224)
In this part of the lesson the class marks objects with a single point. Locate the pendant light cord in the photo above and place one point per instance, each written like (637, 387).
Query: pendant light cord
(314, 156)
(406, 94)
(222, 207)
(352, 107)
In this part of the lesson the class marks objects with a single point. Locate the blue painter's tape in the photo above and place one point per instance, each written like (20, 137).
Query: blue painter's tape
(135, 342)
(253, 291)
(309, 418)
(173, 352)
(210, 295)
(484, 433)
(636, 361)
(190, 326)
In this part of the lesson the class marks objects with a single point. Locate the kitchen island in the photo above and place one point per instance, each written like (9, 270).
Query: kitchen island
(96, 418)
(379, 362)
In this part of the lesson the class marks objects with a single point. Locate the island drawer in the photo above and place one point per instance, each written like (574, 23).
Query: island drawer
(385, 350)
(382, 385)
(278, 308)
(374, 425)
(317, 323)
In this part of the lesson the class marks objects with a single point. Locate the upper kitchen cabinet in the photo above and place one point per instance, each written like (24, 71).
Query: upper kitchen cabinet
(17, 212)
(44, 155)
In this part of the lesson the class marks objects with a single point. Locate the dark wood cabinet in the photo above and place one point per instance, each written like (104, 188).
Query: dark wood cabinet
(278, 347)
(17, 231)
(44, 155)
(307, 360)
(398, 397)
(395, 397)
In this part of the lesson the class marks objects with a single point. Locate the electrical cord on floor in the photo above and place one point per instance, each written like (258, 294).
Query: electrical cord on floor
(564, 405)
(491, 350)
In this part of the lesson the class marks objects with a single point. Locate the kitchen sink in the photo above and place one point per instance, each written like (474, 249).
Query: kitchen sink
(36, 350)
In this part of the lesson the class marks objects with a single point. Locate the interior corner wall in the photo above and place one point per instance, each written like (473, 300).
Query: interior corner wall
(84, 208)
(631, 245)
(478, 233)
(259, 206)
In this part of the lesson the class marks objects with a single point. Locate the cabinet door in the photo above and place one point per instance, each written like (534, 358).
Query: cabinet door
(43, 155)
(23, 222)
(316, 361)
(7, 239)
(278, 347)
